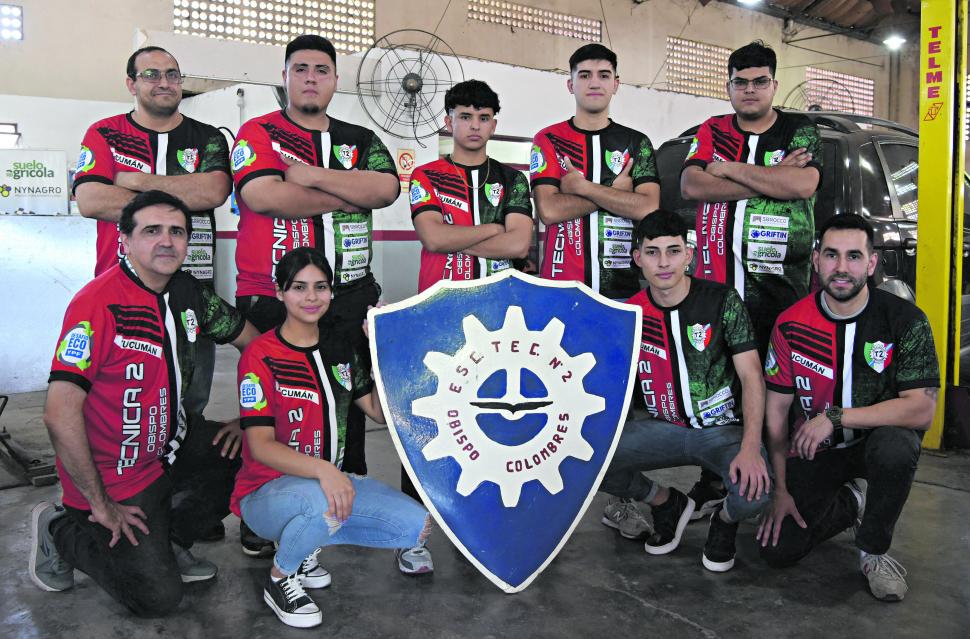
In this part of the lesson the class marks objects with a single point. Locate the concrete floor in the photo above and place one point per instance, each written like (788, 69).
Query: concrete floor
(600, 585)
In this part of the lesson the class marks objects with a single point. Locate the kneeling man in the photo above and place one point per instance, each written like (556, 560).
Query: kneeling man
(701, 380)
(862, 365)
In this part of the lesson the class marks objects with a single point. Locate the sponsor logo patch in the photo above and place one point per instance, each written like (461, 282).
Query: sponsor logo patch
(242, 155)
(612, 262)
(768, 235)
(418, 194)
(720, 396)
(75, 348)
(693, 148)
(758, 219)
(767, 252)
(537, 161)
(771, 362)
(85, 161)
(251, 393)
(765, 268)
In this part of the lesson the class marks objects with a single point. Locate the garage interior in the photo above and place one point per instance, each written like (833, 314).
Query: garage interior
(859, 66)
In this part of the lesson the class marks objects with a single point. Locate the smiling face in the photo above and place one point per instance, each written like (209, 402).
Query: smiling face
(472, 128)
(162, 98)
(844, 263)
(157, 245)
(593, 83)
(751, 102)
(310, 79)
(308, 297)
(663, 261)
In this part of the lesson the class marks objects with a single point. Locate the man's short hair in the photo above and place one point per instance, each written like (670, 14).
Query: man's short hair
(130, 69)
(473, 93)
(847, 222)
(660, 223)
(755, 54)
(310, 41)
(593, 51)
(126, 225)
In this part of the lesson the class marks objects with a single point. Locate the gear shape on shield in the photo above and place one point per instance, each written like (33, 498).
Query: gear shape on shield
(455, 406)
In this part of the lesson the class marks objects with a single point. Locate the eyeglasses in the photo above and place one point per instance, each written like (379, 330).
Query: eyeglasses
(741, 84)
(154, 76)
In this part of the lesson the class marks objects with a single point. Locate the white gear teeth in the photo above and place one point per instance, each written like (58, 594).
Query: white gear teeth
(510, 348)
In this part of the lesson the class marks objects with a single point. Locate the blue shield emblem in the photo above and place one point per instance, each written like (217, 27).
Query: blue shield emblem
(505, 398)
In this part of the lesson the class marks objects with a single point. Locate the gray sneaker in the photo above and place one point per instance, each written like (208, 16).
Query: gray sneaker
(887, 577)
(47, 569)
(191, 567)
(625, 516)
(414, 561)
(858, 489)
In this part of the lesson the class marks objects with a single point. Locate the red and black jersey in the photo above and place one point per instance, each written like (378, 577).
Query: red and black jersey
(119, 343)
(119, 144)
(593, 249)
(466, 196)
(686, 369)
(303, 393)
(855, 362)
(760, 246)
(344, 237)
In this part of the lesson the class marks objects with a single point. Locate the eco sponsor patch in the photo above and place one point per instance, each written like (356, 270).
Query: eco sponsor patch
(75, 348)
(251, 395)
(242, 155)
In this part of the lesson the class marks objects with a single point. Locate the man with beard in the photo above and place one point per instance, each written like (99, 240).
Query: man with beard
(305, 178)
(155, 147)
(753, 173)
(862, 365)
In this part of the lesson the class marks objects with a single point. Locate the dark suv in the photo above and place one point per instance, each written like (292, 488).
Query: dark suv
(870, 167)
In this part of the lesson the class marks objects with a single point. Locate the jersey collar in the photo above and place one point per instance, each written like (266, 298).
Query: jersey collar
(572, 124)
(848, 320)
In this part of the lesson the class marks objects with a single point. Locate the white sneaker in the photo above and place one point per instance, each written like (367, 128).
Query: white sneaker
(887, 577)
(287, 598)
(312, 575)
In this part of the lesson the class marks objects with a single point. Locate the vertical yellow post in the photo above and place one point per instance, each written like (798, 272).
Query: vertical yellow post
(940, 237)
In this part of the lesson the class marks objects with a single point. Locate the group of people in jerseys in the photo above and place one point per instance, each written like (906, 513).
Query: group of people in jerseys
(725, 351)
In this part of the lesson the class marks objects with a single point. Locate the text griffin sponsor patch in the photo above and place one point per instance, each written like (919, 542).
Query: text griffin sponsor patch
(617, 234)
(355, 242)
(768, 235)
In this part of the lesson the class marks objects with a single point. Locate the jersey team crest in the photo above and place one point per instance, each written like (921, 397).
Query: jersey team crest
(699, 336)
(507, 416)
(191, 324)
(774, 158)
(341, 373)
(494, 193)
(346, 155)
(616, 160)
(188, 159)
(878, 355)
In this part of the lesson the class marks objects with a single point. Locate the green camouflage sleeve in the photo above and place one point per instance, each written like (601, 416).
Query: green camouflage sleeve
(215, 156)
(220, 322)
(916, 363)
(362, 381)
(738, 331)
(807, 137)
(378, 157)
(644, 168)
(519, 201)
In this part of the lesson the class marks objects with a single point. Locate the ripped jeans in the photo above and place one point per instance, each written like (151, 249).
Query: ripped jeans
(291, 511)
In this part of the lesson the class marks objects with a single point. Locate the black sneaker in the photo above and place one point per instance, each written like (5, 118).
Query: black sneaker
(719, 550)
(216, 533)
(669, 520)
(287, 598)
(708, 496)
(254, 545)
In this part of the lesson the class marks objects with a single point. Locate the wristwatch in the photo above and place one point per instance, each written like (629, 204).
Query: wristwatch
(834, 413)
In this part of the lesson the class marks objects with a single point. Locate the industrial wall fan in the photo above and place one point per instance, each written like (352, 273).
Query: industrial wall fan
(820, 95)
(402, 79)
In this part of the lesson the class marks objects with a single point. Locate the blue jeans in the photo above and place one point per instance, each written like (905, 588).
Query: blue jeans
(292, 511)
(651, 444)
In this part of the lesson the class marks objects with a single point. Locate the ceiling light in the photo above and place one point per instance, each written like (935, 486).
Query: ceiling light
(894, 42)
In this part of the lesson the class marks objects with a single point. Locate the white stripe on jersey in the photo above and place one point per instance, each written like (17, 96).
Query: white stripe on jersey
(161, 163)
(738, 230)
(849, 433)
(594, 221)
(682, 367)
(477, 217)
(175, 440)
(331, 408)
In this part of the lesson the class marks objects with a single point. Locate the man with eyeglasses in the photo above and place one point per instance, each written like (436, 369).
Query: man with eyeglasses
(754, 174)
(155, 147)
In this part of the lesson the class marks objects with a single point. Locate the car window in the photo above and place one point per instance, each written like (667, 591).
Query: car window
(830, 194)
(902, 162)
(875, 192)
